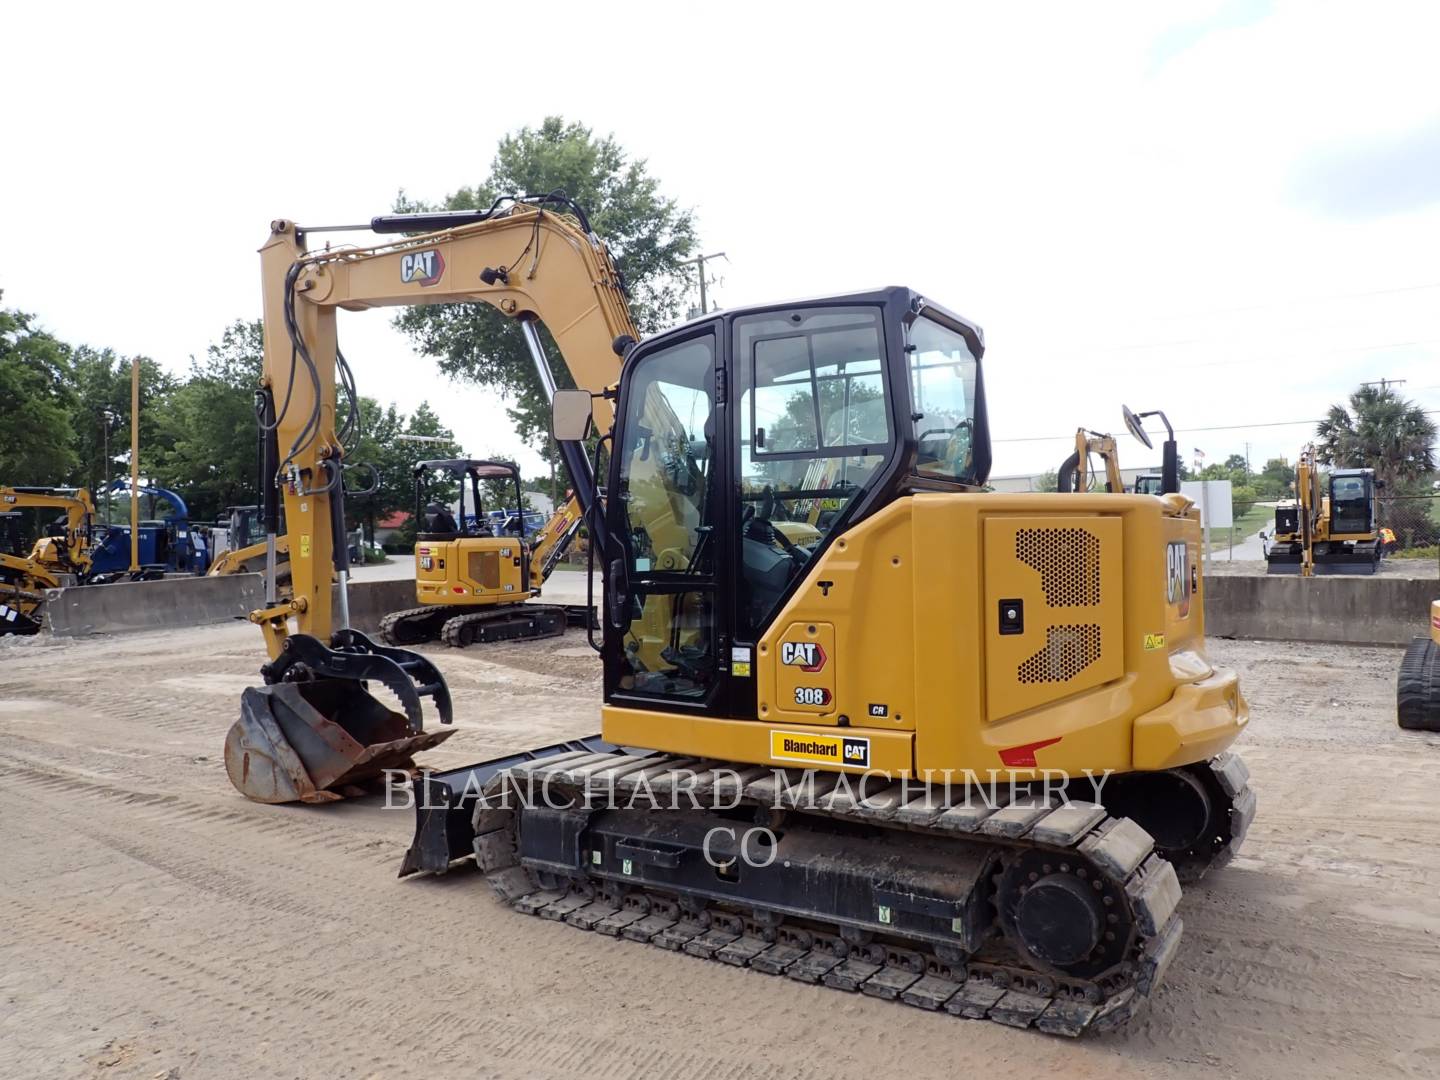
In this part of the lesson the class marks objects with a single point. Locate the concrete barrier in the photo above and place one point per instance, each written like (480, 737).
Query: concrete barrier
(195, 601)
(1340, 610)
(371, 601)
(151, 605)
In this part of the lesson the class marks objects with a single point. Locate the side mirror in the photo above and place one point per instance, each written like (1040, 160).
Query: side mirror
(1133, 425)
(570, 415)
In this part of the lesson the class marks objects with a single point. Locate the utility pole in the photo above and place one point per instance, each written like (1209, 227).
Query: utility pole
(1247, 461)
(699, 263)
(1385, 384)
(134, 464)
(108, 416)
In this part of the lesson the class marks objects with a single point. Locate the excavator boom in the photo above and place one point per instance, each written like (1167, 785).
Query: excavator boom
(529, 261)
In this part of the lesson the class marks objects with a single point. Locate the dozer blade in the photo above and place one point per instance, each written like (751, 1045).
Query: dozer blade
(445, 802)
(298, 742)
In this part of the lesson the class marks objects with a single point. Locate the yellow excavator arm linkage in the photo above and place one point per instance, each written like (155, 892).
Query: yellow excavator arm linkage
(235, 560)
(79, 515)
(1103, 446)
(552, 540)
(529, 263)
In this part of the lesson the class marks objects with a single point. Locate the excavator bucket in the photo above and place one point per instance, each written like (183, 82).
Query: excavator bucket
(315, 734)
(307, 742)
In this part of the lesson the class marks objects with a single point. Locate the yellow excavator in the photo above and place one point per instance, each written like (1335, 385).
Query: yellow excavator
(949, 747)
(62, 557)
(1330, 526)
(473, 586)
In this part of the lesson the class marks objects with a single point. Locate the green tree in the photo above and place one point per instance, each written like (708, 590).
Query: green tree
(394, 461)
(207, 438)
(648, 234)
(36, 432)
(1242, 499)
(1379, 430)
(1232, 469)
(1275, 480)
(1048, 481)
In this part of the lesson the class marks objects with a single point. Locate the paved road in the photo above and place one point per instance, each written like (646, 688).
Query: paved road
(1250, 548)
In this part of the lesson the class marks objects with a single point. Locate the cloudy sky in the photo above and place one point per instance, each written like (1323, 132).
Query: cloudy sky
(1226, 210)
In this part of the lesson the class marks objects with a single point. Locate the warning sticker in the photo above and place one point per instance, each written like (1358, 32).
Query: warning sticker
(1154, 641)
(820, 749)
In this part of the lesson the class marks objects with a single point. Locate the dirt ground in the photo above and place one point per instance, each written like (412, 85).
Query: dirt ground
(156, 924)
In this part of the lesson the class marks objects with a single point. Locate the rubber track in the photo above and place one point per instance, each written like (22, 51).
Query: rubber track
(414, 619)
(1417, 691)
(1009, 993)
(459, 630)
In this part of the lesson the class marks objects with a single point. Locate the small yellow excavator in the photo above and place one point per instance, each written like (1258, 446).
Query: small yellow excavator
(1418, 685)
(472, 585)
(1330, 526)
(62, 557)
(941, 746)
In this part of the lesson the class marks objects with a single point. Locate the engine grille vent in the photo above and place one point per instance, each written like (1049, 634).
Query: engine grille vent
(485, 568)
(1068, 561)
(1068, 651)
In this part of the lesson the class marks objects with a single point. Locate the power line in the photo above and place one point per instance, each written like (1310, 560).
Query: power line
(1111, 350)
(1188, 431)
(1294, 301)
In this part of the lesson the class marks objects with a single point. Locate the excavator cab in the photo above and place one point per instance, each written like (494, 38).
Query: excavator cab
(744, 449)
(1352, 502)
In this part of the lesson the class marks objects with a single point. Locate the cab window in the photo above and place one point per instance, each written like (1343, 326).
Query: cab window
(814, 430)
(942, 397)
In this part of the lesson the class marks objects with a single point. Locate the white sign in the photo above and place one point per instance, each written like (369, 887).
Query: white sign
(1213, 499)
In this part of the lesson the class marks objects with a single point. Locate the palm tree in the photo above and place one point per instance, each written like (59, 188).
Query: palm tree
(1381, 431)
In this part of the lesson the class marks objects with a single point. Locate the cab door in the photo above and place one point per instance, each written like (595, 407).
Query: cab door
(663, 620)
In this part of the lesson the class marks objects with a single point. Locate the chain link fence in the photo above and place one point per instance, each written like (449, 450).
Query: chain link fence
(1415, 522)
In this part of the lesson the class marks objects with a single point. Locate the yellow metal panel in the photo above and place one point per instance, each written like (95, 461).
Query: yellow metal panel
(864, 588)
(754, 743)
(1062, 577)
(804, 684)
(914, 633)
(1198, 722)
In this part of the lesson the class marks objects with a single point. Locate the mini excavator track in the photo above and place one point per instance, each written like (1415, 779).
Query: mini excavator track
(508, 622)
(1025, 911)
